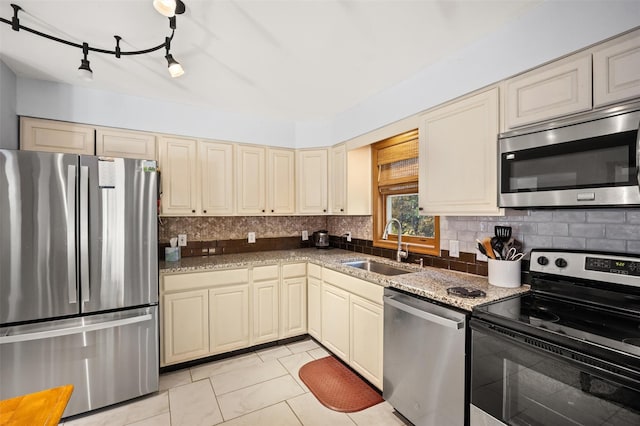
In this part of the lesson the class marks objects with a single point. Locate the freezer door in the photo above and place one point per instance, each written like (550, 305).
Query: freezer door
(37, 235)
(118, 233)
(108, 358)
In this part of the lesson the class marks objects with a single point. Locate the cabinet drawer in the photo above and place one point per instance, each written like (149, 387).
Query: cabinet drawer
(314, 270)
(294, 270)
(176, 282)
(268, 272)
(362, 288)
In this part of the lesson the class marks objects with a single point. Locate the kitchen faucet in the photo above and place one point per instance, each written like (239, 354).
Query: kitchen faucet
(400, 254)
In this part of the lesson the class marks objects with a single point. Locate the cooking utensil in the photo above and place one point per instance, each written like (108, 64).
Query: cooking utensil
(503, 232)
(497, 245)
(481, 248)
(513, 255)
(488, 248)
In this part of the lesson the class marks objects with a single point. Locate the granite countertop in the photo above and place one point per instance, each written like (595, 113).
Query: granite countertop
(427, 282)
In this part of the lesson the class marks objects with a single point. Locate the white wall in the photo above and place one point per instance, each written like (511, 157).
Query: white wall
(44, 99)
(551, 30)
(8, 99)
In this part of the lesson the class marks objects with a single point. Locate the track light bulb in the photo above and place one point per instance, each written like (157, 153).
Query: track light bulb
(165, 7)
(175, 69)
(84, 70)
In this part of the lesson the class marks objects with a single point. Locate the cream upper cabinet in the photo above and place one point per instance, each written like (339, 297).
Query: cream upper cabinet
(179, 171)
(458, 157)
(281, 181)
(185, 326)
(217, 180)
(338, 179)
(350, 180)
(366, 346)
(56, 136)
(312, 173)
(558, 89)
(616, 70)
(314, 300)
(251, 185)
(125, 144)
(265, 301)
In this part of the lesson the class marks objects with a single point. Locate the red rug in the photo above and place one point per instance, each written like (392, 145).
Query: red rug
(337, 387)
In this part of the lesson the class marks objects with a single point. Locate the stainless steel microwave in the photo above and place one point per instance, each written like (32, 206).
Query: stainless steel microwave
(591, 160)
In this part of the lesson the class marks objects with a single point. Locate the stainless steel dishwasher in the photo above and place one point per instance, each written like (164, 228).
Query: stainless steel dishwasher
(425, 348)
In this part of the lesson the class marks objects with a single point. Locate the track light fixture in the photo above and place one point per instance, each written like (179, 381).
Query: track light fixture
(167, 8)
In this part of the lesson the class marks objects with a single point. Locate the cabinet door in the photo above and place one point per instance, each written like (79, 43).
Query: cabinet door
(548, 92)
(358, 197)
(250, 169)
(178, 168)
(312, 181)
(228, 318)
(338, 180)
(217, 180)
(185, 325)
(265, 311)
(458, 158)
(294, 306)
(56, 136)
(125, 144)
(616, 70)
(281, 181)
(314, 304)
(366, 334)
(335, 320)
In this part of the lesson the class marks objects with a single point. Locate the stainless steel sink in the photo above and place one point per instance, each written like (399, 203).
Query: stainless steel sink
(377, 267)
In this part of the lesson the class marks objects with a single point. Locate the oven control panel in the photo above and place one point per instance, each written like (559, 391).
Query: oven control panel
(613, 268)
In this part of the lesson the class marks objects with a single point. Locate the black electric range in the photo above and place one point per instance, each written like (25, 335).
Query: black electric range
(579, 327)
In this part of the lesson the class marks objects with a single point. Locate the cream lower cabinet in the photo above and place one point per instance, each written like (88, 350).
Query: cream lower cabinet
(293, 300)
(352, 322)
(228, 318)
(366, 330)
(314, 301)
(458, 158)
(265, 302)
(185, 325)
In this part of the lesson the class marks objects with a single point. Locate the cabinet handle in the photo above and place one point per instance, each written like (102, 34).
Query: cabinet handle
(341, 210)
(262, 210)
(420, 208)
(193, 211)
(324, 210)
(204, 211)
(272, 211)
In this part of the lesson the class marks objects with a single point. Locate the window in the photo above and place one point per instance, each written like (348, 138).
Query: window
(395, 177)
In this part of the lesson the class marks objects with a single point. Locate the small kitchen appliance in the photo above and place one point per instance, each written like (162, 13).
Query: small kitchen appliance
(568, 352)
(588, 160)
(321, 239)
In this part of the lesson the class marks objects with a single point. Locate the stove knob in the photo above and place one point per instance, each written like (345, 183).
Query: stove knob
(561, 263)
(542, 260)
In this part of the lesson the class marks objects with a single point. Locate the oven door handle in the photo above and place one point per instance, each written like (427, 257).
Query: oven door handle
(638, 156)
(457, 325)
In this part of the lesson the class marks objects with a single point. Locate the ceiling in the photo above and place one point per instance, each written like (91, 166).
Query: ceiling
(281, 59)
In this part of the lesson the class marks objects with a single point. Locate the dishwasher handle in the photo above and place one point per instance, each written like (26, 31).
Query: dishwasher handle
(457, 325)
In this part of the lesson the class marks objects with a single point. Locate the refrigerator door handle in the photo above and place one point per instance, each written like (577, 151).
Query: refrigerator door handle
(84, 234)
(71, 234)
(41, 335)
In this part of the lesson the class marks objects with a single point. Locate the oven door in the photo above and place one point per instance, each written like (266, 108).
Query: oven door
(522, 380)
(593, 163)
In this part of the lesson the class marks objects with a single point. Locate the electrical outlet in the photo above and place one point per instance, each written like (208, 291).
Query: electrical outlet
(305, 235)
(182, 240)
(454, 248)
(251, 237)
(348, 236)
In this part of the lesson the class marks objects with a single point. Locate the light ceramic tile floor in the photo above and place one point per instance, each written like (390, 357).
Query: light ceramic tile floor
(261, 388)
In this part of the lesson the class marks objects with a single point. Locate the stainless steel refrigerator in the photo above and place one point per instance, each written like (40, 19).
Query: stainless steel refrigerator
(78, 277)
